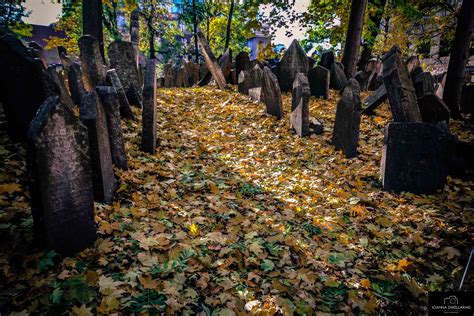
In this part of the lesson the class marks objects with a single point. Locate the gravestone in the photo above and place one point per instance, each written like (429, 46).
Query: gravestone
(255, 84)
(338, 79)
(211, 62)
(61, 187)
(76, 82)
(59, 81)
(94, 71)
(272, 94)
(114, 81)
(315, 126)
(293, 62)
(24, 86)
(327, 59)
(193, 73)
(345, 135)
(400, 90)
(423, 84)
(374, 100)
(467, 99)
(299, 118)
(149, 108)
(244, 82)
(362, 79)
(433, 109)
(182, 76)
(413, 63)
(415, 157)
(50, 56)
(311, 62)
(170, 75)
(439, 89)
(135, 31)
(318, 78)
(122, 58)
(109, 99)
(375, 81)
(92, 115)
(225, 62)
(242, 62)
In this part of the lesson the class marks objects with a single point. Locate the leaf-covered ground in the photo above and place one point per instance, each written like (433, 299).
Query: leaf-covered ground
(234, 215)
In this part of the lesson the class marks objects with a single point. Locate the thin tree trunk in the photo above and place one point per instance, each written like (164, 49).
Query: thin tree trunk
(151, 39)
(92, 21)
(195, 25)
(354, 32)
(458, 58)
(229, 23)
(368, 46)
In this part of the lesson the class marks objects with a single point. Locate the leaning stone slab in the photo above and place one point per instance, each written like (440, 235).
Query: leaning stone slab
(109, 99)
(114, 81)
(318, 78)
(345, 135)
(423, 84)
(59, 81)
(211, 62)
(299, 118)
(255, 84)
(415, 157)
(93, 68)
(149, 108)
(50, 56)
(433, 109)
(122, 59)
(293, 62)
(400, 90)
(76, 83)
(374, 100)
(244, 82)
(338, 79)
(327, 59)
(92, 115)
(272, 93)
(62, 198)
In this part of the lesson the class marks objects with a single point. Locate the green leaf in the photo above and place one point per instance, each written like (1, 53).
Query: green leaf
(267, 265)
(48, 260)
(56, 296)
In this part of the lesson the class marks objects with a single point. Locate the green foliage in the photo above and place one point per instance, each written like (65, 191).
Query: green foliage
(48, 260)
(11, 16)
(150, 301)
(71, 24)
(73, 290)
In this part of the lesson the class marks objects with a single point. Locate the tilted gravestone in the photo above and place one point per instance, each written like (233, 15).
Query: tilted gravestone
(345, 135)
(415, 157)
(62, 198)
(59, 81)
(299, 118)
(122, 59)
(92, 115)
(76, 82)
(93, 69)
(423, 84)
(244, 82)
(338, 79)
(400, 90)
(318, 78)
(272, 94)
(109, 99)
(413, 63)
(433, 109)
(50, 56)
(149, 108)
(24, 86)
(211, 62)
(374, 100)
(362, 79)
(114, 81)
(242, 62)
(225, 62)
(327, 59)
(255, 84)
(293, 62)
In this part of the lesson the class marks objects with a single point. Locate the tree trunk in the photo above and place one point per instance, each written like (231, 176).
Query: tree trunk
(229, 23)
(195, 25)
(92, 21)
(151, 41)
(458, 58)
(354, 32)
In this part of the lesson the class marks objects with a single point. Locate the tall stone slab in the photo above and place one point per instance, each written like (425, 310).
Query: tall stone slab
(135, 31)
(170, 75)
(338, 79)
(293, 62)
(255, 84)
(400, 90)
(327, 59)
(149, 109)
(242, 62)
(299, 118)
(211, 62)
(93, 68)
(182, 76)
(61, 187)
(114, 81)
(244, 82)
(109, 99)
(92, 115)
(433, 109)
(272, 94)
(24, 86)
(415, 157)
(59, 81)
(318, 78)
(122, 58)
(225, 62)
(76, 83)
(193, 70)
(345, 135)
(423, 84)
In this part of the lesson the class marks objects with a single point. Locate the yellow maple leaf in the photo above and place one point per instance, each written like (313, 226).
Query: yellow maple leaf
(10, 188)
(81, 311)
(194, 229)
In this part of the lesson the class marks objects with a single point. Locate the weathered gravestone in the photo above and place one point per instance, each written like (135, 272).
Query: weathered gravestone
(338, 79)
(255, 84)
(299, 118)
(327, 59)
(60, 173)
(374, 100)
(244, 82)
(362, 79)
(93, 69)
(109, 99)
(211, 62)
(59, 81)
(135, 31)
(225, 62)
(271, 93)
(318, 78)
(345, 135)
(182, 76)
(122, 58)
(50, 56)
(149, 108)
(24, 86)
(400, 90)
(439, 89)
(293, 62)
(193, 73)
(169, 75)
(433, 109)
(242, 62)
(92, 115)
(415, 157)
(423, 84)
(413, 63)
(114, 81)
(76, 82)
